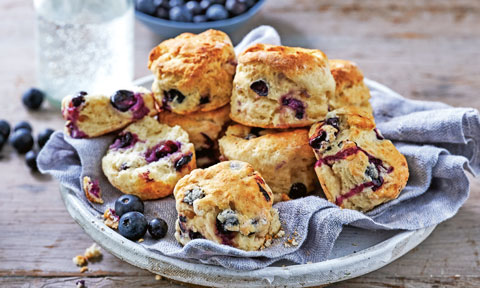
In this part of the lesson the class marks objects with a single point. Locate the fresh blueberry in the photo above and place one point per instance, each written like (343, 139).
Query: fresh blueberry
(217, 12)
(199, 18)
(22, 140)
(161, 3)
(236, 7)
(4, 128)
(180, 14)
(297, 190)
(122, 100)
(193, 7)
(31, 160)
(260, 87)
(157, 228)
(173, 94)
(182, 162)
(204, 4)
(145, 6)
(33, 98)
(132, 225)
(221, 2)
(162, 12)
(79, 98)
(175, 3)
(128, 203)
(22, 125)
(316, 143)
(3, 140)
(249, 3)
(44, 136)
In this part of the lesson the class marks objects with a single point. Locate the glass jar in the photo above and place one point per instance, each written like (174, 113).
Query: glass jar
(83, 45)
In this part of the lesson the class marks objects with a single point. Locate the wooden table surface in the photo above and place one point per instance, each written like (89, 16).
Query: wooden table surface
(423, 49)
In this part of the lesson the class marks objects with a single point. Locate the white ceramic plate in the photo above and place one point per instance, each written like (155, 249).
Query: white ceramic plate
(356, 252)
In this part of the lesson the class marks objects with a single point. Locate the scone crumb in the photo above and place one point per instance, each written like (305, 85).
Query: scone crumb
(79, 260)
(92, 252)
(280, 234)
(158, 277)
(291, 240)
(110, 218)
(140, 240)
(92, 190)
(80, 284)
(83, 269)
(309, 262)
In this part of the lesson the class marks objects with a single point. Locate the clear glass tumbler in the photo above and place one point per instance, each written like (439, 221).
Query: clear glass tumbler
(83, 45)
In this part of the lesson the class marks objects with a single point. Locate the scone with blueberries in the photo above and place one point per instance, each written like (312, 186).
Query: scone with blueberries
(284, 158)
(203, 128)
(357, 168)
(193, 72)
(281, 87)
(148, 158)
(350, 90)
(228, 203)
(92, 115)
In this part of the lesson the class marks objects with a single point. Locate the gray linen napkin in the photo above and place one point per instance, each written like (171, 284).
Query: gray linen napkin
(440, 142)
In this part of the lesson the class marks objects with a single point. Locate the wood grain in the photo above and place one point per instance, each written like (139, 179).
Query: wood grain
(423, 49)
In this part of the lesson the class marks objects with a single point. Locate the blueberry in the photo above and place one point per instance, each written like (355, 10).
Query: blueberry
(132, 225)
(123, 140)
(166, 148)
(175, 3)
(204, 100)
(22, 140)
(182, 162)
(334, 121)
(4, 128)
(236, 7)
(249, 3)
(193, 194)
(162, 12)
(145, 6)
(297, 190)
(2, 141)
(264, 192)
(33, 98)
(199, 18)
(180, 14)
(193, 7)
(122, 100)
(204, 4)
(217, 12)
(222, 2)
(296, 105)
(44, 136)
(79, 98)
(161, 3)
(22, 125)
(316, 143)
(260, 87)
(173, 94)
(157, 228)
(31, 160)
(128, 203)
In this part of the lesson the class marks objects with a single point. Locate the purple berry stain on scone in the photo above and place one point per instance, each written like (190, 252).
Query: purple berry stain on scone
(316, 141)
(378, 134)
(184, 160)
(161, 150)
(125, 100)
(124, 140)
(146, 177)
(92, 190)
(260, 87)
(260, 184)
(296, 105)
(334, 122)
(73, 111)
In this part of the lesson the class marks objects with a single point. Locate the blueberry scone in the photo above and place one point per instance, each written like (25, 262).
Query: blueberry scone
(92, 115)
(284, 158)
(350, 90)
(357, 168)
(281, 87)
(228, 203)
(148, 158)
(203, 128)
(193, 72)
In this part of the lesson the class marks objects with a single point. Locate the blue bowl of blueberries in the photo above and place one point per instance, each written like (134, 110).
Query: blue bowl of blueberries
(169, 18)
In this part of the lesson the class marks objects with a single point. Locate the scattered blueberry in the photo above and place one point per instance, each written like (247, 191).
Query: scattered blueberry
(33, 98)
(145, 6)
(31, 160)
(260, 87)
(123, 100)
(22, 125)
(157, 228)
(128, 203)
(297, 190)
(161, 3)
(4, 128)
(182, 162)
(193, 7)
(44, 136)
(175, 3)
(180, 14)
(173, 94)
(249, 3)
(199, 18)
(236, 7)
(79, 98)
(132, 225)
(2, 141)
(204, 4)
(22, 140)
(162, 12)
(217, 12)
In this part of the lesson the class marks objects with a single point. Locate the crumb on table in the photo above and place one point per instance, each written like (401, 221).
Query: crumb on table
(79, 260)
(92, 252)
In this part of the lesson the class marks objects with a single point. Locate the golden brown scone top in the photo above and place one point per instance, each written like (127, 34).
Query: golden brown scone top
(345, 73)
(290, 60)
(356, 117)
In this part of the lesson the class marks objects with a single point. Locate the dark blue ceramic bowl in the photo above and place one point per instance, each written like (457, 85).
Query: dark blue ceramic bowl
(167, 28)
